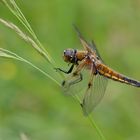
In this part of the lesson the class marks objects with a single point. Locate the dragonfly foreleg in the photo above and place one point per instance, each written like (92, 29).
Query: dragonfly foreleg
(64, 71)
(76, 75)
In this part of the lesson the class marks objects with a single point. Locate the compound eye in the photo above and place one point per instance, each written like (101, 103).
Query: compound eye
(64, 52)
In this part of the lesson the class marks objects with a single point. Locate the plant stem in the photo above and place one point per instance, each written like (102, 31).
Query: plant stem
(90, 118)
(94, 125)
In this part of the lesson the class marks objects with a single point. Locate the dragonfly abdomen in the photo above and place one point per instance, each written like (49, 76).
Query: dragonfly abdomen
(132, 82)
(109, 73)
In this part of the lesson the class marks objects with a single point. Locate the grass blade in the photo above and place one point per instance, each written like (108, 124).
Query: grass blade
(15, 10)
(8, 54)
(25, 37)
(91, 120)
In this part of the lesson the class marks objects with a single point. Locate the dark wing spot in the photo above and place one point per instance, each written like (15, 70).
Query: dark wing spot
(89, 84)
(63, 83)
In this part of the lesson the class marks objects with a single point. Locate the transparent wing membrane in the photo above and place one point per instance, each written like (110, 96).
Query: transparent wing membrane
(74, 85)
(94, 94)
(71, 83)
(89, 97)
(82, 40)
(87, 46)
(93, 46)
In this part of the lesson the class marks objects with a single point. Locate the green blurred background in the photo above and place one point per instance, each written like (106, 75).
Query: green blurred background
(32, 104)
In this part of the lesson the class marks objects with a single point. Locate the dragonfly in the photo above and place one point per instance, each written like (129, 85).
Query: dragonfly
(90, 60)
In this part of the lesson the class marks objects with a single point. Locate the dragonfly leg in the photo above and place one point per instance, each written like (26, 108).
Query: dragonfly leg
(76, 75)
(64, 71)
(79, 68)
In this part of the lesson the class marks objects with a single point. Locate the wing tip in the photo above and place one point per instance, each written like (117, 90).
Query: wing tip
(77, 30)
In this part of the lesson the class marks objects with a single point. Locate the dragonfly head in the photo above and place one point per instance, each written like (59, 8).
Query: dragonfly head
(70, 55)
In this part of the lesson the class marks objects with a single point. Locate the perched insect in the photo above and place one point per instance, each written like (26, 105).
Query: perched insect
(99, 73)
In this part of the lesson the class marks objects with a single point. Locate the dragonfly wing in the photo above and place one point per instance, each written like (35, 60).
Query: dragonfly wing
(82, 40)
(87, 46)
(93, 46)
(94, 94)
(70, 84)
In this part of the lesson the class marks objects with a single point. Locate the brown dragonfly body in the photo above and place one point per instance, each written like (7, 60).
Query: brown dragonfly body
(109, 73)
(90, 59)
